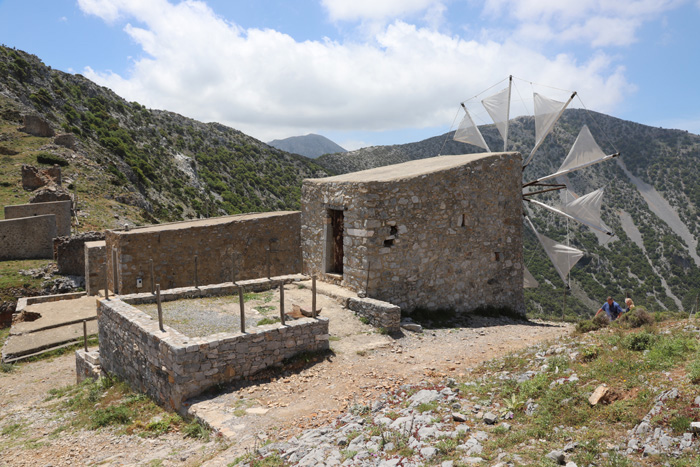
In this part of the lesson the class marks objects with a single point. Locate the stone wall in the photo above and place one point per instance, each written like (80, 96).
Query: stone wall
(70, 252)
(36, 126)
(33, 178)
(95, 261)
(171, 367)
(379, 314)
(440, 233)
(230, 247)
(60, 209)
(27, 237)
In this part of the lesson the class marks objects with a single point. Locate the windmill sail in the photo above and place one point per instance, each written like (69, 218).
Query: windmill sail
(467, 132)
(498, 107)
(547, 112)
(583, 153)
(585, 209)
(529, 281)
(563, 257)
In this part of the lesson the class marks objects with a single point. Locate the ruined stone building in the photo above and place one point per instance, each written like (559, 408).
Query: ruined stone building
(438, 233)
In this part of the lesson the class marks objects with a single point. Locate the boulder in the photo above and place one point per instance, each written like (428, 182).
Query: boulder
(49, 193)
(67, 140)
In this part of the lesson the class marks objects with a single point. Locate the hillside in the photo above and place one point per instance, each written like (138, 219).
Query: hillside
(651, 201)
(310, 145)
(133, 164)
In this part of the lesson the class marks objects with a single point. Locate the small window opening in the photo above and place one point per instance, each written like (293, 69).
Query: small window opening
(496, 256)
(393, 230)
(389, 242)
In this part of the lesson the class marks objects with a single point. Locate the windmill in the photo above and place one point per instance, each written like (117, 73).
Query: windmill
(585, 152)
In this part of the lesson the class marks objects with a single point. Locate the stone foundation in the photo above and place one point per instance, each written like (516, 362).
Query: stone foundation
(172, 367)
(87, 365)
(70, 252)
(95, 262)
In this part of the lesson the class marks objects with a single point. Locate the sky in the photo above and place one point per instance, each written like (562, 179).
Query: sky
(371, 72)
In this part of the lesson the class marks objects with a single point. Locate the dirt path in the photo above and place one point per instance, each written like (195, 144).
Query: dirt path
(363, 365)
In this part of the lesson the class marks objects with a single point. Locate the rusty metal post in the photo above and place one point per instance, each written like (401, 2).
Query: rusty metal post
(313, 296)
(269, 247)
(160, 309)
(106, 282)
(153, 285)
(115, 272)
(242, 305)
(85, 334)
(282, 303)
(196, 279)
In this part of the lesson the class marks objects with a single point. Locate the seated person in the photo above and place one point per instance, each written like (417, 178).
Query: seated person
(611, 308)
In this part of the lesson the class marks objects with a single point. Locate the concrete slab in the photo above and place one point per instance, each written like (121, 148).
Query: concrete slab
(26, 344)
(57, 313)
(59, 322)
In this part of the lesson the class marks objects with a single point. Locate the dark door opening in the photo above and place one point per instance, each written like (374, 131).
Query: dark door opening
(337, 223)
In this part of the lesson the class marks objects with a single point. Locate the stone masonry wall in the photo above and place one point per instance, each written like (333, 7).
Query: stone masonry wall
(447, 239)
(27, 237)
(95, 260)
(230, 247)
(70, 252)
(172, 367)
(61, 209)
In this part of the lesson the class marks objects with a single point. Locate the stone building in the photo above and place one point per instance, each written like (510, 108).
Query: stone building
(438, 233)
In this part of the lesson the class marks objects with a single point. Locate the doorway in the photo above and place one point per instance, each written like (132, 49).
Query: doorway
(335, 265)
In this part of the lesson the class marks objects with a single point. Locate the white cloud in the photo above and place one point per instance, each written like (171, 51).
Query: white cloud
(267, 84)
(598, 23)
(373, 10)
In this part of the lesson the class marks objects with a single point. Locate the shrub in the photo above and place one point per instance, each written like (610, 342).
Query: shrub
(588, 325)
(639, 341)
(636, 318)
(694, 370)
(51, 159)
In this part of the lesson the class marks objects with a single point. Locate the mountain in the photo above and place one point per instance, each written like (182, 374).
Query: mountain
(652, 201)
(310, 145)
(136, 164)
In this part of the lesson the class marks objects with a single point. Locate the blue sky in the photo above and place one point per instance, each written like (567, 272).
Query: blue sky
(366, 72)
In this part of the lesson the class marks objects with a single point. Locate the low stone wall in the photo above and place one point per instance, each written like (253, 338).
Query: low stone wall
(33, 178)
(87, 365)
(70, 252)
(61, 209)
(95, 261)
(27, 237)
(380, 314)
(239, 247)
(172, 367)
(23, 302)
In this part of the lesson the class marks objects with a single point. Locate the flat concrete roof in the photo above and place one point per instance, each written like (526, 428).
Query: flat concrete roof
(408, 169)
(203, 222)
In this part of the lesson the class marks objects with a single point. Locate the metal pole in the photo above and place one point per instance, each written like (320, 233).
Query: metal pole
(160, 308)
(233, 268)
(152, 282)
(282, 303)
(268, 261)
(196, 279)
(106, 283)
(115, 272)
(242, 305)
(85, 334)
(313, 296)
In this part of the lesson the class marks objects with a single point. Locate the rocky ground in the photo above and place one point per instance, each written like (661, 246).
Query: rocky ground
(372, 364)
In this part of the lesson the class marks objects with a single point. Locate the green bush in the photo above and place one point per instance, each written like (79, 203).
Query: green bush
(51, 159)
(115, 415)
(639, 341)
(636, 318)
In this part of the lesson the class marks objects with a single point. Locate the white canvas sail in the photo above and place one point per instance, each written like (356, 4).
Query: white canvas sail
(467, 132)
(584, 151)
(498, 107)
(547, 112)
(529, 281)
(585, 208)
(563, 257)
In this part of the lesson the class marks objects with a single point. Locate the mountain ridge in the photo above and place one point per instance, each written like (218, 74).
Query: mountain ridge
(311, 145)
